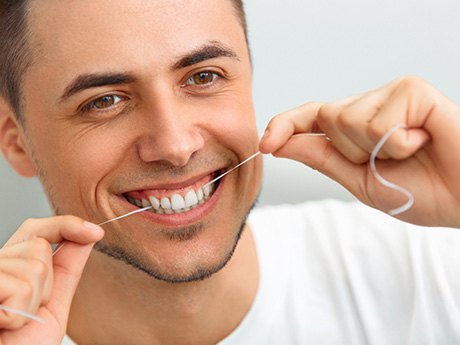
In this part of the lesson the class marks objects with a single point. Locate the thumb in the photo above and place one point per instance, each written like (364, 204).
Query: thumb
(319, 154)
(68, 265)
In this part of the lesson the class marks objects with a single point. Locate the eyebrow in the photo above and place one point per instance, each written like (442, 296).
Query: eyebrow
(211, 50)
(90, 80)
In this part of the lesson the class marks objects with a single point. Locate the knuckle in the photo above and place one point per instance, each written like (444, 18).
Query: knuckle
(38, 269)
(30, 223)
(26, 291)
(326, 114)
(375, 131)
(346, 120)
(308, 106)
(399, 150)
(412, 83)
(11, 321)
(41, 245)
(359, 157)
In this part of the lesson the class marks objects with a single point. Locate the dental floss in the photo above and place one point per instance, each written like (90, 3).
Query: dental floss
(21, 313)
(229, 171)
(61, 244)
(386, 183)
(126, 215)
(374, 171)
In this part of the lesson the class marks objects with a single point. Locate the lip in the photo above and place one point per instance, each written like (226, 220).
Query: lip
(180, 219)
(165, 186)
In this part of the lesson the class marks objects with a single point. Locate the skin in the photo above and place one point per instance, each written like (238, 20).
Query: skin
(169, 134)
(164, 130)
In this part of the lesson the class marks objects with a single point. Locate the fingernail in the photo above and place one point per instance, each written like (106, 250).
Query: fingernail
(91, 226)
(266, 134)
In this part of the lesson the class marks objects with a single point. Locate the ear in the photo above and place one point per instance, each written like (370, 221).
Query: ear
(12, 142)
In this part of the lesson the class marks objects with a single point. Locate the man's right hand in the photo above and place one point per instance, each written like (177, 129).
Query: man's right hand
(34, 281)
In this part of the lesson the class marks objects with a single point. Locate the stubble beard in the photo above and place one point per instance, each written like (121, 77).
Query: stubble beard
(179, 235)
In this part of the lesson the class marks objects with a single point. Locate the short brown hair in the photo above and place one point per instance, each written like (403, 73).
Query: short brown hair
(15, 54)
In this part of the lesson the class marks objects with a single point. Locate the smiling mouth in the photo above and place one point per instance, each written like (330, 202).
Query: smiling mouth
(172, 201)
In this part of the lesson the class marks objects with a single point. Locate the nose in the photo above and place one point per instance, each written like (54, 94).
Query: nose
(171, 133)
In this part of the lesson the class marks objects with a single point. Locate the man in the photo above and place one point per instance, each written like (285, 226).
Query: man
(117, 105)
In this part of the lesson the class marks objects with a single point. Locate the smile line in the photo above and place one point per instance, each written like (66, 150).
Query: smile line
(61, 244)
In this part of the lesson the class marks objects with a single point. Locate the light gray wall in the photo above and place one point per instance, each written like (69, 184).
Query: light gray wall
(314, 50)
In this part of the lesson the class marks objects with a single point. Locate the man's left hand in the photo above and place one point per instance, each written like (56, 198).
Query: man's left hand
(424, 158)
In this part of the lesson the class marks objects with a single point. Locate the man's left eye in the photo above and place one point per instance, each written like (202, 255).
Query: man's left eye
(202, 78)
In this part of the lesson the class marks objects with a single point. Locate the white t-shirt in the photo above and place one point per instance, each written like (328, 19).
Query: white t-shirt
(337, 273)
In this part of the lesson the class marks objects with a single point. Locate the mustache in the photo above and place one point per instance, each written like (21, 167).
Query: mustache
(165, 171)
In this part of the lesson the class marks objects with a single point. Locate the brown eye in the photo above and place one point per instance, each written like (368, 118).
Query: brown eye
(105, 102)
(202, 78)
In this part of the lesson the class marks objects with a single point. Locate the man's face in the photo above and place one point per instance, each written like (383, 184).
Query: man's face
(145, 101)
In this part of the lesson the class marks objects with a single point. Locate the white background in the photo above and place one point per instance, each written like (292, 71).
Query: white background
(313, 51)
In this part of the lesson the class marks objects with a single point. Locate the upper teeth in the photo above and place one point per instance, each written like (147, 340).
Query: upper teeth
(176, 203)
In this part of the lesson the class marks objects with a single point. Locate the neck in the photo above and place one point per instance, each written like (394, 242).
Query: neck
(107, 310)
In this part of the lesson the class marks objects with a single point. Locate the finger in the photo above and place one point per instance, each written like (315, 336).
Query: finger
(35, 272)
(401, 109)
(328, 118)
(321, 155)
(29, 260)
(57, 229)
(354, 119)
(69, 263)
(16, 294)
(345, 122)
(281, 127)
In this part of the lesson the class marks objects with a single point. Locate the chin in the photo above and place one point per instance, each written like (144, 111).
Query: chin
(185, 259)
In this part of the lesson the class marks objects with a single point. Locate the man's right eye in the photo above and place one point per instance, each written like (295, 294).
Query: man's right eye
(103, 103)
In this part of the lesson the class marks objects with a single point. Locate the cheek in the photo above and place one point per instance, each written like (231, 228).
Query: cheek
(97, 155)
(82, 159)
(233, 125)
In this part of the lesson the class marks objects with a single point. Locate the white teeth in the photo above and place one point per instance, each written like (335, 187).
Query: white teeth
(177, 202)
(165, 203)
(199, 194)
(191, 199)
(155, 202)
(207, 190)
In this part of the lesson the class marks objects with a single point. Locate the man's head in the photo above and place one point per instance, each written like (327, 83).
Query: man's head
(138, 102)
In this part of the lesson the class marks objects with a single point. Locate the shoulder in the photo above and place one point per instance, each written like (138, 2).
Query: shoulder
(338, 239)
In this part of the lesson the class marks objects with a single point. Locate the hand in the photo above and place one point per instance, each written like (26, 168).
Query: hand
(424, 158)
(32, 280)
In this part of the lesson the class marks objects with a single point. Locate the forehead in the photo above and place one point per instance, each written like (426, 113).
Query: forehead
(71, 33)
